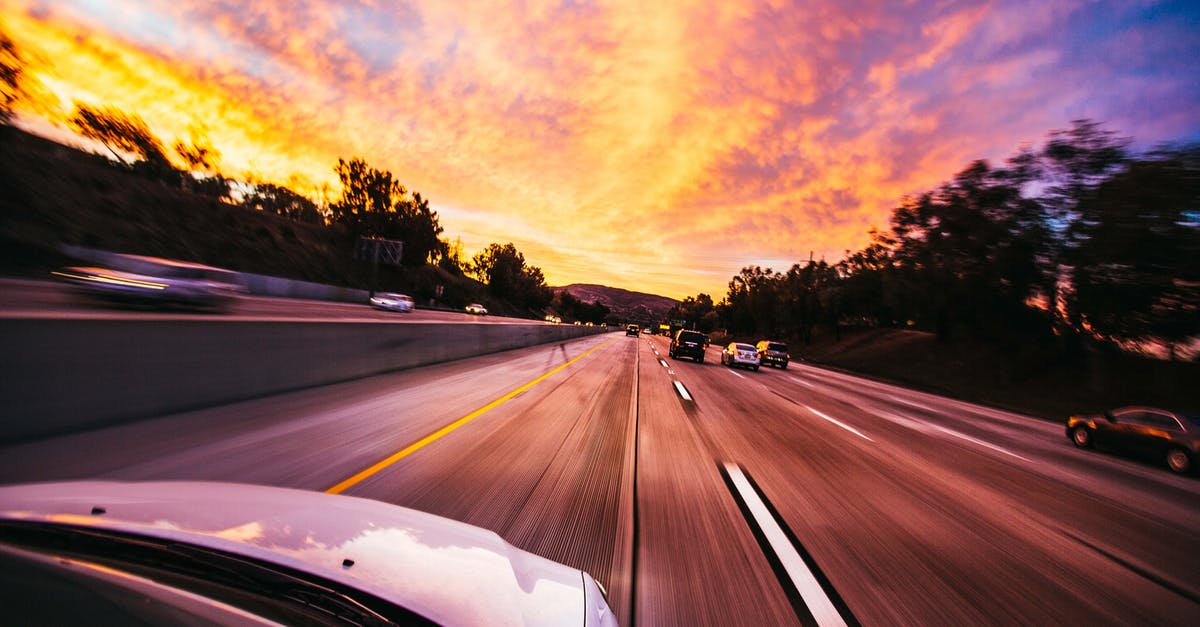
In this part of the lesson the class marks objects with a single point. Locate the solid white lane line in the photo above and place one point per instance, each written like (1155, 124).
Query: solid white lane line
(806, 584)
(839, 423)
(682, 391)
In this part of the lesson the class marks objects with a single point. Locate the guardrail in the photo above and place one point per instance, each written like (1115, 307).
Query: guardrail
(64, 375)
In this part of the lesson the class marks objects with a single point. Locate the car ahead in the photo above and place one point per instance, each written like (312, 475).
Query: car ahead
(1164, 436)
(170, 553)
(632, 329)
(737, 354)
(773, 353)
(688, 344)
(152, 281)
(391, 301)
(476, 309)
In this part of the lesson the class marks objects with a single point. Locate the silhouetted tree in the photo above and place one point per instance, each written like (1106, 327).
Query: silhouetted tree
(503, 269)
(969, 250)
(1135, 269)
(122, 133)
(373, 203)
(282, 201)
(696, 312)
(12, 70)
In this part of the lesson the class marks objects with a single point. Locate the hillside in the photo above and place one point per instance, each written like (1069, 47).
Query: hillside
(629, 305)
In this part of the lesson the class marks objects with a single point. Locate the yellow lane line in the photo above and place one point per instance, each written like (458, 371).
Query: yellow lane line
(436, 435)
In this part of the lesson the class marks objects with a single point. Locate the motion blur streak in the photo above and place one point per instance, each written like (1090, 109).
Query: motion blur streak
(437, 435)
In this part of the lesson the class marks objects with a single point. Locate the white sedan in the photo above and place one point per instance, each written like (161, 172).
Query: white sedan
(477, 309)
(738, 354)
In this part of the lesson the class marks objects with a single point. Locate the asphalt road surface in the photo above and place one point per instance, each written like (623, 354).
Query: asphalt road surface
(701, 495)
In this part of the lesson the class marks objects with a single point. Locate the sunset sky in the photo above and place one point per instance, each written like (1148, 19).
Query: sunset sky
(654, 146)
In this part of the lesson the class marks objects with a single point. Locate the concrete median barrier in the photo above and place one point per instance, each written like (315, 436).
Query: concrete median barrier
(63, 375)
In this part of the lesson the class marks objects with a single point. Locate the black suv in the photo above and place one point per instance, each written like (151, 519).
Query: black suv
(773, 354)
(631, 329)
(689, 344)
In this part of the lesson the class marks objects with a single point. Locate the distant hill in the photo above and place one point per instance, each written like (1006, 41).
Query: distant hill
(636, 306)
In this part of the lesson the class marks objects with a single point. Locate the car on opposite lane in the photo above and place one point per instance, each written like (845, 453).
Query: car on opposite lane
(773, 353)
(392, 301)
(738, 354)
(1165, 436)
(476, 309)
(687, 343)
(156, 282)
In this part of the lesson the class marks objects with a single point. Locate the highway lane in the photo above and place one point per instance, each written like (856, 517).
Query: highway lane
(934, 517)
(912, 508)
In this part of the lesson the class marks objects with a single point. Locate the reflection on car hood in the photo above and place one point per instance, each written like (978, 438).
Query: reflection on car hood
(450, 572)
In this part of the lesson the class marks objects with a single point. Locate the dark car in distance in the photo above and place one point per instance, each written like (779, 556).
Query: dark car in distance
(773, 354)
(1164, 436)
(689, 344)
(632, 329)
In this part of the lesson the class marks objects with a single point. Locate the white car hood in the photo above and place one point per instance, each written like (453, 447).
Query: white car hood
(450, 572)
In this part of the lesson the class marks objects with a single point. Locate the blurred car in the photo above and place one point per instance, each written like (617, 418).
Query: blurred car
(632, 329)
(689, 344)
(477, 309)
(152, 281)
(391, 301)
(553, 319)
(743, 355)
(174, 553)
(773, 353)
(1164, 436)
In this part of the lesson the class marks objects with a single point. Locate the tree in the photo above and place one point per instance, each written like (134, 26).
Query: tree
(282, 201)
(969, 251)
(502, 268)
(1069, 167)
(1135, 275)
(12, 70)
(198, 155)
(696, 312)
(121, 133)
(375, 204)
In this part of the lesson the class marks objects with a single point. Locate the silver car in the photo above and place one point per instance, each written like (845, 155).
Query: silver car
(217, 553)
(154, 281)
(738, 354)
(391, 301)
